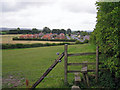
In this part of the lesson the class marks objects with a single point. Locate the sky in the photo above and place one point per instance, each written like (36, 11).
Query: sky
(55, 14)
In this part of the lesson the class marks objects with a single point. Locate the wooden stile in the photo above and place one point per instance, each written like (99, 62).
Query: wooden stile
(85, 73)
(84, 70)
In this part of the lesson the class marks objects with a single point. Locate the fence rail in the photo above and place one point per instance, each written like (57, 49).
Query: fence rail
(75, 71)
(81, 64)
(79, 54)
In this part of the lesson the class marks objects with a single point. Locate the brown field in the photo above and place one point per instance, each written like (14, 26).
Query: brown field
(8, 39)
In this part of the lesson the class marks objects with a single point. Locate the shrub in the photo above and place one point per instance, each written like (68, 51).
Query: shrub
(106, 34)
(18, 45)
(106, 80)
(78, 42)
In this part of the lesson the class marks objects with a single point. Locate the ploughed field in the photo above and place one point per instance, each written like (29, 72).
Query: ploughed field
(30, 63)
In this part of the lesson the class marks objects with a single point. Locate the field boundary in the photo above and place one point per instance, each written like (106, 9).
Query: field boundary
(37, 39)
(19, 45)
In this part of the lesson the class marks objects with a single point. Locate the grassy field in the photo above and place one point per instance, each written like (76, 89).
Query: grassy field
(31, 63)
(8, 39)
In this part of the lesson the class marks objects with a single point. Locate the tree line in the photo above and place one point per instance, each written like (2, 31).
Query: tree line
(45, 30)
(36, 31)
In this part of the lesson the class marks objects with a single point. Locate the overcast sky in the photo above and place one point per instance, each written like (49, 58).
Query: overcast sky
(55, 14)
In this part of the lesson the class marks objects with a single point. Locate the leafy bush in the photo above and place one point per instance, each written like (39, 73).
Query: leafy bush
(106, 34)
(106, 80)
(78, 42)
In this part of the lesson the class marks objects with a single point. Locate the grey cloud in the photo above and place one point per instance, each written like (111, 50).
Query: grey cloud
(7, 7)
(77, 7)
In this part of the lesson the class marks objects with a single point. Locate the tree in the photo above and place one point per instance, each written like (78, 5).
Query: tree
(106, 33)
(63, 31)
(34, 31)
(83, 33)
(68, 31)
(46, 30)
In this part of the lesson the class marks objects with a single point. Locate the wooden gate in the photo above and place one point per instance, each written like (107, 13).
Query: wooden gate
(66, 55)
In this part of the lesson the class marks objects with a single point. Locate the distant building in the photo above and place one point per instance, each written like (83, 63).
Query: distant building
(87, 37)
(46, 36)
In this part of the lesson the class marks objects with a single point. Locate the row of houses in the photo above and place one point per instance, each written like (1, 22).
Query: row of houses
(31, 35)
(44, 36)
(54, 36)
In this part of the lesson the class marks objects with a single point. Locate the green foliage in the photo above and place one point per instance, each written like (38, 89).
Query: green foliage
(13, 46)
(78, 42)
(37, 39)
(34, 31)
(106, 80)
(69, 31)
(86, 41)
(46, 30)
(58, 31)
(106, 33)
(83, 33)
(2, 33)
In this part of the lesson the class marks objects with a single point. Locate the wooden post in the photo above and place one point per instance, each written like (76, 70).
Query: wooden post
(65, 58)
(85, 73)
(97, 62)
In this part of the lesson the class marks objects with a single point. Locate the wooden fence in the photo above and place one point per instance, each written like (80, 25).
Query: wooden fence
(66, 64)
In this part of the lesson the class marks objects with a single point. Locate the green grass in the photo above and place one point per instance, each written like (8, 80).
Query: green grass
(31, 63)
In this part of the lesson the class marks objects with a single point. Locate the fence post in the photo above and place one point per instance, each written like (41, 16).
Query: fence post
(65, 63)
(97, 62)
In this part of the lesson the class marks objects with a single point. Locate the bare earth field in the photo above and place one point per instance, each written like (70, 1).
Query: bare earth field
(8, 39)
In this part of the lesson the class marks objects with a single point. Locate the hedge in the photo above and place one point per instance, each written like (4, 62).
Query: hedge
(13, 46)
(78, 42)
(37, 39)
(107, 34)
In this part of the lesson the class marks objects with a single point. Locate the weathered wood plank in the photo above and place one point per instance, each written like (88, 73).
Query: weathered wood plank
(81, 64)
(84, 69)
(87, 79)
(78, 54)
(85, 74)
(77, 77)
(75, 71)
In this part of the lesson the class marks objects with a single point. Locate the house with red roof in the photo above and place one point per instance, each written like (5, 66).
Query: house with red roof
(46, 36)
